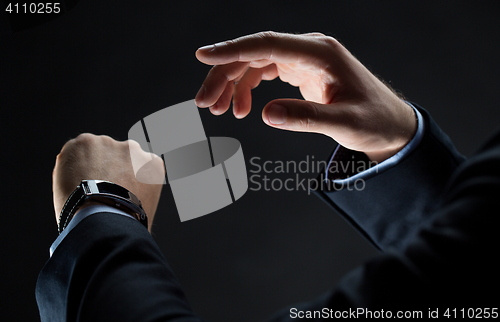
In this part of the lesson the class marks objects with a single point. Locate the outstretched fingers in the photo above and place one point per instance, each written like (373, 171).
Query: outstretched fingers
(222, 104)
(242, 99)
(216, 82)
(272, 46)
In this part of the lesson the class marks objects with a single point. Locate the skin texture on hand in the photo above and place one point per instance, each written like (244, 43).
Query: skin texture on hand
(343, 99)
(91, 157)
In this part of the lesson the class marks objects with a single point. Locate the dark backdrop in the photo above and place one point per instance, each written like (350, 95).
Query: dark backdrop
(105, 64)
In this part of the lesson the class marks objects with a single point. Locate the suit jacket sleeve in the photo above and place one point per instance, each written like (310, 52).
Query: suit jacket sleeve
(437, 223)
(108, 268)
(393, 205)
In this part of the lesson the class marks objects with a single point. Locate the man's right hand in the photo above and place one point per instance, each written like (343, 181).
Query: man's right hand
(343, 99)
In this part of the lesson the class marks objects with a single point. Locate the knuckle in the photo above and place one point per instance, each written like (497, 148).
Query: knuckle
(267, 40)
(219, 73)
(331, 42)
(157, 161)
(84, 138)
(107, 140)
(308, 117)
(305, 124)
(106, 137)
(60, 156)
(317, 34)
(267, 35)
(230, 42)
(133, 143)
(134, 146)
(311, 117)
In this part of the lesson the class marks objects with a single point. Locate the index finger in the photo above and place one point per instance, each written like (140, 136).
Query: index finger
(315, 49)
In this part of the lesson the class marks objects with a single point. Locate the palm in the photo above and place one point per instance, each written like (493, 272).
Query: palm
(313, 85)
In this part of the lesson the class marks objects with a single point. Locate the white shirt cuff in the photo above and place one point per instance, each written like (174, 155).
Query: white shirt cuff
(82, 214)
(388, 163)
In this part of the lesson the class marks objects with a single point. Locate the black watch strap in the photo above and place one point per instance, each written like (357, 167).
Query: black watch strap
(105, 192)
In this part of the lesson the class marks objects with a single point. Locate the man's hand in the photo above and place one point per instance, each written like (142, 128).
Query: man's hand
(102, 158)
(343, 99)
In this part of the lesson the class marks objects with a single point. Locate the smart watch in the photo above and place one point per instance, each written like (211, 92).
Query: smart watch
(105, 192)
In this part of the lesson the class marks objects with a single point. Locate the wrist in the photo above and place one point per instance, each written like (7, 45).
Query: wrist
(404, 132)
(380, 156)
(95, 192)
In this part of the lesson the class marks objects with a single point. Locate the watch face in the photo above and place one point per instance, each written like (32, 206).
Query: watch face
(106, 189)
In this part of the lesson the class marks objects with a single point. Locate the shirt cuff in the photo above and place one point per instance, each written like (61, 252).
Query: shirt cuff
(81, 215)
(384, 165)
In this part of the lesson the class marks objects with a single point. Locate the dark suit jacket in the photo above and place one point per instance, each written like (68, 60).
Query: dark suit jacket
(433, 216)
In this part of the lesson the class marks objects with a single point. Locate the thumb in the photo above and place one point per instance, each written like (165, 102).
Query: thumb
(300, 115)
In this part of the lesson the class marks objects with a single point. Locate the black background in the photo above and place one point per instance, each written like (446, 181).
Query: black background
(105, 64)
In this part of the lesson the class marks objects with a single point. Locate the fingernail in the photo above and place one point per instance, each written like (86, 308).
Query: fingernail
(207, 47)
(200, 95)
(235, 108)
(276, 114)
